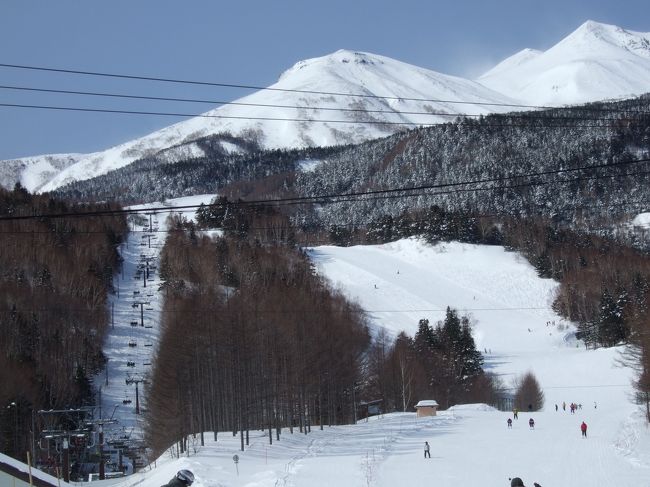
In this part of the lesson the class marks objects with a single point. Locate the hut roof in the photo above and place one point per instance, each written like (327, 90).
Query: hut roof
(427, 403)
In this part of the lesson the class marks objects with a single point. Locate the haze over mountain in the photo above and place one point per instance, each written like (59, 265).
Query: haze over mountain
(595, 62)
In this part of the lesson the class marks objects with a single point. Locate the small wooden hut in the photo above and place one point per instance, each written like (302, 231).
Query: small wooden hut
(427, 407)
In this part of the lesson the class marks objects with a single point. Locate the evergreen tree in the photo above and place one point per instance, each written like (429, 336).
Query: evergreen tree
(529, 394)
(612, 327)
(425, 339)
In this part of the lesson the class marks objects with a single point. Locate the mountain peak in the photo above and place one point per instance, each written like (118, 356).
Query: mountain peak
(597, 36)
(596, 61)
(340, 57)
(592, 27)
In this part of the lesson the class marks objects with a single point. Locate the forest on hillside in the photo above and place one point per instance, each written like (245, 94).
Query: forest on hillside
(55, 277)
(251, 339)
(583, 167)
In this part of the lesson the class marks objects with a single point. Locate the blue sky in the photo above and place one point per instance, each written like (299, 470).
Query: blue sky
(243, 42)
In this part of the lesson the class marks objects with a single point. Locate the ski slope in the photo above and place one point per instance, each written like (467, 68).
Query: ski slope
(398, 284)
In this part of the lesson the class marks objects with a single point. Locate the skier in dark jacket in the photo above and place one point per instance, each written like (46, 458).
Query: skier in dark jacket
(517, 482)
(183, 478)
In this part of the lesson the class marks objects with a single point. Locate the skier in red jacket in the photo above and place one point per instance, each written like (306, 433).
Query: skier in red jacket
(583, 428)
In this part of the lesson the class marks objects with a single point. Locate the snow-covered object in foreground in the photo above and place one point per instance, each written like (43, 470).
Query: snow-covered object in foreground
(596, 62)
(341, 119)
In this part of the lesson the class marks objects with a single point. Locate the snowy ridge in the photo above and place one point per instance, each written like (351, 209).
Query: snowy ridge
(341, 72)
(595, 62)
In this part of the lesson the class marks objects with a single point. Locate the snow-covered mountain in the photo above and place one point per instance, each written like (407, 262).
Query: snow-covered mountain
(596, 62)
(259, 117)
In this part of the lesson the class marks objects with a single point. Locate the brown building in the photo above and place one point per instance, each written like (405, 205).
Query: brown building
(428, 407)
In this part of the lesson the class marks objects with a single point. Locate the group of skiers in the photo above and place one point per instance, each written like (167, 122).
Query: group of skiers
(573, 407)
(515, 415)
(531, 424)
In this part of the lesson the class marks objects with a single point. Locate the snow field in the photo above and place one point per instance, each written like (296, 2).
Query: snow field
(471, 444)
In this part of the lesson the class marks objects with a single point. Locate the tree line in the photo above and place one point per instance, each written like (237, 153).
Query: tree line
(55, 278)
(251, 339)
(603, 281)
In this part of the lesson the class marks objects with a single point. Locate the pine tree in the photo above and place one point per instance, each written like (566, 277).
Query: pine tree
(529, 394)
(611, 323)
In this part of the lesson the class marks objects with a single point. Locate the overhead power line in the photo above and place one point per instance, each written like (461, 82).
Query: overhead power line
(429, 113)
(412, 191)
(221, 102)
(250, 87)
(205, 115)
(549, 122)
(285, 90)
(645, 203)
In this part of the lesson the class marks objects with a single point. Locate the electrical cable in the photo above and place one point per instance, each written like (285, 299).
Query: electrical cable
(298, 107)
(550, 122)
(268, 88)
(414, 191)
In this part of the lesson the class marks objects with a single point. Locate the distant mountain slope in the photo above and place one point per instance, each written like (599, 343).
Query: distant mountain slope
(305, 108)
(596, 62)
(284, 122)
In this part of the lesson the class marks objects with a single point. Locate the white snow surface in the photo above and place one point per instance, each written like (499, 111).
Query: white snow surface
(641, 220)
(512, 320)
(596, 62)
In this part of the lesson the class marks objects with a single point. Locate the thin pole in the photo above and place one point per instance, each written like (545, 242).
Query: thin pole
(29, 466)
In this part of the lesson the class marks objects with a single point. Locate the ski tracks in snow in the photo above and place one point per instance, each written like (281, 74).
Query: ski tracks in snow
(365, 450)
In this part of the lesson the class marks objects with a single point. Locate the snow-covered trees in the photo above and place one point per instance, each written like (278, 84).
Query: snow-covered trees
(447, 354)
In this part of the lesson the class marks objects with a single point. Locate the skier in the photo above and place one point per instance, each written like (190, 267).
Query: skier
(583, 428)
(517, 482)
(531, 423)
(515, 413)
(427, 452)
(183, 478)
(509, 423)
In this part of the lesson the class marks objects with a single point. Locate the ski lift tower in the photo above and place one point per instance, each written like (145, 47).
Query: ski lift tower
(136, 379)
